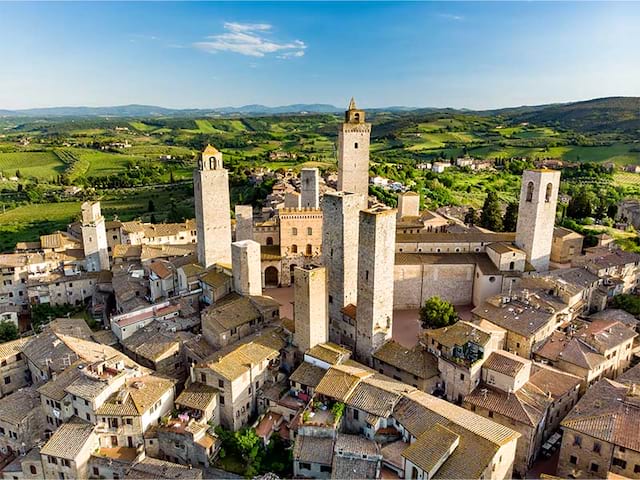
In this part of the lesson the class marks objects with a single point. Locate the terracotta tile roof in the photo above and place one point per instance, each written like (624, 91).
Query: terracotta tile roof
(481, 259)
(609, 411)
(268, 424)
(154, 469)
(416, 361)
(160, 269)
(329, 352)
(350, 311)
(307, 374)
(355, 445)
(56, 388)
(459, 334)
(152, 342)
(432, 448)
(552, 381)
(73, 327)
(353, 468)
(614, 314)
(197, 396)
(12, 348)
(232, 362)
(505, 363)
(138, 396)
(15, 407)
(69, 439)
(230, 312)
(193, 270)
(313, 449)
(470, 237)
(527, 405)
(340, 380)
(216, 278)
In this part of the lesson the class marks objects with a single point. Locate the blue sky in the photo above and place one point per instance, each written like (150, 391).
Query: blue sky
(196, 54)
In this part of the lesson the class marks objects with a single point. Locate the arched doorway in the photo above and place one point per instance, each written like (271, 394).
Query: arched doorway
(271, 277)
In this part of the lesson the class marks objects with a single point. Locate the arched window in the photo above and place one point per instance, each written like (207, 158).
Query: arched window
(294, 248)
(269, 240)
(530, 192)
(356, 117)
(33, 470)
(355, 145)
(512, 265)
(547, 195)
(309, 249)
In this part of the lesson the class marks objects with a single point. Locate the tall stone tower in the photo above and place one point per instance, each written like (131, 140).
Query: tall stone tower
(247, 275)
(340, 248)
(310, 307)
(310, 188)
(537, 215)
(353, 153)
(244, 222)
(376, 255)
(213, 219)
(408, 205)
(94, 238)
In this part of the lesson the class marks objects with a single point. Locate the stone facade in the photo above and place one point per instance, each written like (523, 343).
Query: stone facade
(376, 259)
(213, 221)
(566, 246)
(353, 153)
(537, 215)
(94, 238)
(309, 188)
(244, 222)
(247, 275)
(310, 307)
(340, 252)
(408, 205)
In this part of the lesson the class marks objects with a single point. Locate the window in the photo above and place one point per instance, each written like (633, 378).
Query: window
(309, 249)
(593, 467)
(355, 145)
(269, 240)
(222, 400)
(203, 378)
(530, 192)
(221, 383)
(636, 469)
(294, 248)
(34, 470)
(309, 231)
(65, 462)
(596, 447)
(490, 414)
(356, 415)
(294, 231)
(305, 466)
(573, 460)
(326, 468)
(547, 195)
(7, 380)
(618, 462)
(577, 440)
(462, 376)
(512, 265)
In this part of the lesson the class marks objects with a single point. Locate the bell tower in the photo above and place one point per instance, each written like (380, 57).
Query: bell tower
(353, 153)
(213, 217)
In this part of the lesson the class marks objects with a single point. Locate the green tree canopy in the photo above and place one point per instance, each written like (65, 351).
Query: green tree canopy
(8, 331)
(491, 216)
(510, 218)
(436, 313)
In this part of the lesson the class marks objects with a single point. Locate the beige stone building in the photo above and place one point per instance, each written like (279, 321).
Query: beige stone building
(14, 371)
(566, 246)
(310, 188)
(247, 277)
(600, 434)
(416, 366)
(66, 454)
(238, 371)
(213, 209)
(21, 421)
(244, 222)
(94, 238)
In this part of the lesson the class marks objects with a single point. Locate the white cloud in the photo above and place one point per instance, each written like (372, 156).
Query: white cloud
(450, 16)
(250, 39)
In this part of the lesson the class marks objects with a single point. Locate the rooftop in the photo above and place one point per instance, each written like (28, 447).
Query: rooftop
(67, 441)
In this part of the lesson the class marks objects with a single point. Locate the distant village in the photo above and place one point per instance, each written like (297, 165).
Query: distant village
(300, 322)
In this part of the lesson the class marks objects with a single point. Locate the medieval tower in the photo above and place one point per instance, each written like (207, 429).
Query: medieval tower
(244, 222)
(537, 215)
(376, 260)
(309, 188)
(353, 153)
(213, 220)
(94, 238)
(310, 307)
(246, 269)
(340, 248)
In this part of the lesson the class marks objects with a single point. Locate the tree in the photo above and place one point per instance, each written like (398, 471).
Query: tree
(510, 218)
(471, 217)
(8, 331)
(491, 216)
(436, 313)
(581, 204)
(18, 174)
(151, 207)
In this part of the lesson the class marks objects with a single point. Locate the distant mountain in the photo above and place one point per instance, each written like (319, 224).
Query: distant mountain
(612, 113)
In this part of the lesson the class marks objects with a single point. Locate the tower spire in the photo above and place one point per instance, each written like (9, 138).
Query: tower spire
(352, 104)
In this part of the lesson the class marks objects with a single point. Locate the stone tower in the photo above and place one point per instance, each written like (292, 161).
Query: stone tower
(309, 188)
(244, 222)
(310, 307)
(537, 215)
(408, 205)
(94, 238)
(340, 248)
(353, 153)
(213, 219)
(376, 255)
(247, 274)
